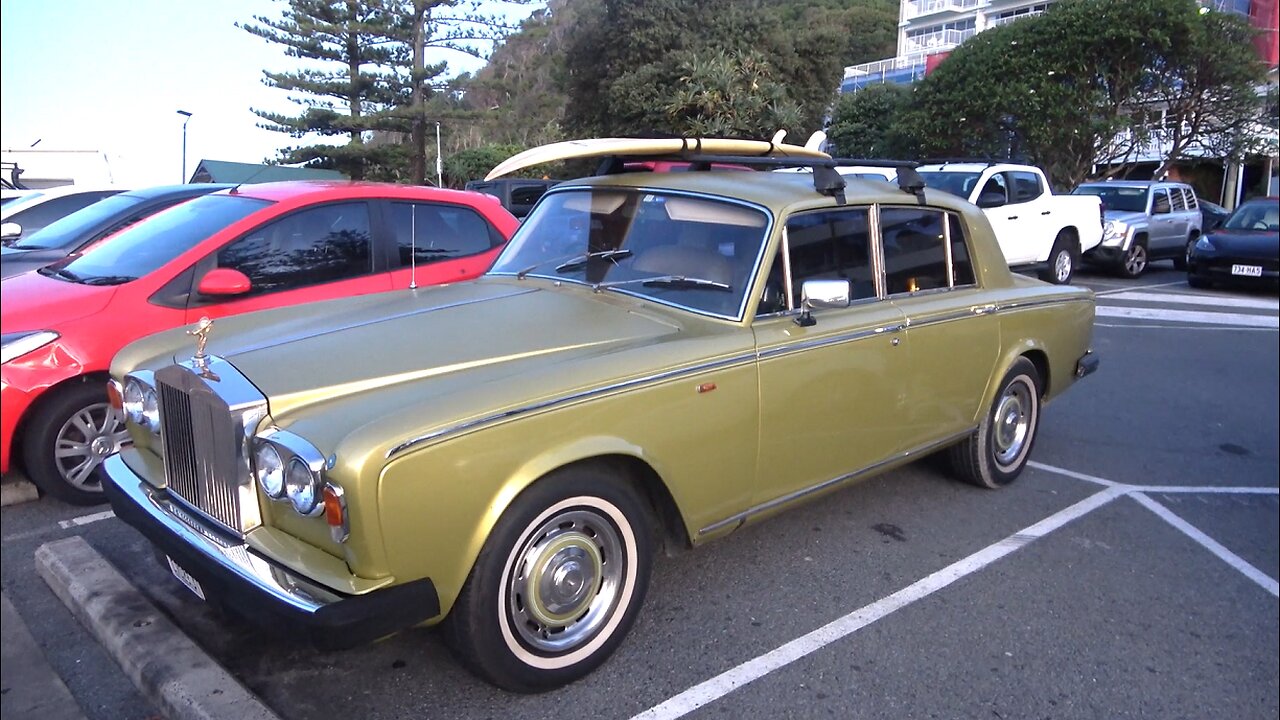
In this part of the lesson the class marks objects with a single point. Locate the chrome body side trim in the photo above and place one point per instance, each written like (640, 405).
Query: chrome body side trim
(1024, 304)
(742, 517)
(728, 362)
(220, 549)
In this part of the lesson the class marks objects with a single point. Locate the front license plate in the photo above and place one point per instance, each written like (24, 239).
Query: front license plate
(1247, 270)
(185, 578)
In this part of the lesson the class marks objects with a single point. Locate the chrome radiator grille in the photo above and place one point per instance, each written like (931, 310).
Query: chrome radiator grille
(201, 448)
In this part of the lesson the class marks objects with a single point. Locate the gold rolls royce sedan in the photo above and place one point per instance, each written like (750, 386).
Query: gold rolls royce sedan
(654, 361)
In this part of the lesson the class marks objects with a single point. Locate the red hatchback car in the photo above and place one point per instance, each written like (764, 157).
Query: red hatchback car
(234, 251)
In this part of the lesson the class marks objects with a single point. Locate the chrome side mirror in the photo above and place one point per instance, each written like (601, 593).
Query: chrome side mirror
(10, 231)
(821, 294)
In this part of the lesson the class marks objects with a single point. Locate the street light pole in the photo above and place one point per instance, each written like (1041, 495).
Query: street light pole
(186, 119)
(439, 160)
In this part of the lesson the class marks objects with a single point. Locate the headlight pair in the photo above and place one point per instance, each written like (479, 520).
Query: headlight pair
(141, 404)
(288, 467)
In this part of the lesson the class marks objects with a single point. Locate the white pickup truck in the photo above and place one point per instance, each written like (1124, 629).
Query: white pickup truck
(1036, 229)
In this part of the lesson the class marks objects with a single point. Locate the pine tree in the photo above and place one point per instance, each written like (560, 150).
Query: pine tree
(381, 81)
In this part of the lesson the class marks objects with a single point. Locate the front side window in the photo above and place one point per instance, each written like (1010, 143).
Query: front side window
(915, 251)
(826, 245)
(313, 246)
(694, 252)
(428, 232)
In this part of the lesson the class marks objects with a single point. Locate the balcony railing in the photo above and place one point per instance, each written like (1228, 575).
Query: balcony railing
(935, 41)
(918, 8)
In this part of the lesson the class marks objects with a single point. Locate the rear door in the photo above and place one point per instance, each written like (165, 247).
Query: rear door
(431, 242)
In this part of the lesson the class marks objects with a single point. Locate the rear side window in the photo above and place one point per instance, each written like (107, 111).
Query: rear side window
(915, 252)
(1179, 202)
(430, 232)
(1026, 186)
(961, 263)
(1189, 196)
(310, 247)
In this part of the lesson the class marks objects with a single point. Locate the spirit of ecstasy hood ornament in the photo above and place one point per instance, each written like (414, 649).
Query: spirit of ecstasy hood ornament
(201, 334)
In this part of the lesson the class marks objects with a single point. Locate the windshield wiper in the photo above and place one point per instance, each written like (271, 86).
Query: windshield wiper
(669, 281)
(577, 261)
(61, 272)
(108, 280)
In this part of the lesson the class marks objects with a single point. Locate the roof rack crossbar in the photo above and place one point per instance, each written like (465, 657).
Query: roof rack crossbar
(826, 179)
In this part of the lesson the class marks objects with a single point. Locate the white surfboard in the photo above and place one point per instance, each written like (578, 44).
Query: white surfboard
(647, 147)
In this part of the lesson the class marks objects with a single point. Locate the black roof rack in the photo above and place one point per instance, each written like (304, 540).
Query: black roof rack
(826, 179)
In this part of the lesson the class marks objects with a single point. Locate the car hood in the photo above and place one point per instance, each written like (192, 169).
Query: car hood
(1250, 243)
(440, 353)
(1128, 217)
(31, 301)
(14, 261)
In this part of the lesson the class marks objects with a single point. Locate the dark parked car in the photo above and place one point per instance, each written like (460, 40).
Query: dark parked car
(1245, 249)
(1212, 215)
(82, 228)
(517, 195)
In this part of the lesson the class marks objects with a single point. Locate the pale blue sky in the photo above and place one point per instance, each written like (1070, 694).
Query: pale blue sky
(110, 75)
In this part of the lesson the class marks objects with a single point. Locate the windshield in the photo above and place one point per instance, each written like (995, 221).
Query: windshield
(1117, 197)
(696, 253)
(68, 232)
(956, 183)
(1255, 215)
(141, 249)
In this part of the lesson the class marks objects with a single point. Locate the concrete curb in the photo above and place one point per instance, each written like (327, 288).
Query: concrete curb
(169, 669)
(32, 689)
(16, 492)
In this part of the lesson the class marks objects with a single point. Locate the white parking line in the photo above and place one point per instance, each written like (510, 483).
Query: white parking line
(1128, 326)
(86, 519)
(1190, 299)
(728, 681)
(1268, 583)
(1195, 316)
(1130, 288)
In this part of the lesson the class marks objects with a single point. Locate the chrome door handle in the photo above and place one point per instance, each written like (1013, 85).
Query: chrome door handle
(983, 309)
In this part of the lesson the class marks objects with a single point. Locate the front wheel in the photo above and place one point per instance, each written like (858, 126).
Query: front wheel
(70, 435)
(1180, 262)
(558, 584)
(1135, 260)
(995, 454)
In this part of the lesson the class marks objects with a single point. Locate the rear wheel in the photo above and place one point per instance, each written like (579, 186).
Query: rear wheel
(997, 452)
(1062, 260)
(1134, 262)
(71, 434)
(558, 584)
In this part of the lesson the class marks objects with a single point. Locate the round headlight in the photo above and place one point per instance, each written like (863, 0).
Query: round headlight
(301, 485)
(131, 401)
(270, 470)
(151, 409)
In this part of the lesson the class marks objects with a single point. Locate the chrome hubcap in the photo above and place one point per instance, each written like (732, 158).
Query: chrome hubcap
(84, 441)
(1012, 423)
(1062, 267)
(565, 582)
(1136, 260)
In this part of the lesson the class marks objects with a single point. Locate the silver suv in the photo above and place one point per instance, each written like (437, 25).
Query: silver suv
(1144, 220)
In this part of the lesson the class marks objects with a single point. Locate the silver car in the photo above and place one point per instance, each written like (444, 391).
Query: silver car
(1144, 220)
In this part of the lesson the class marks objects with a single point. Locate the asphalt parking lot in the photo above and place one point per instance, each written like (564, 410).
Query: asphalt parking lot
(1130, 573)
